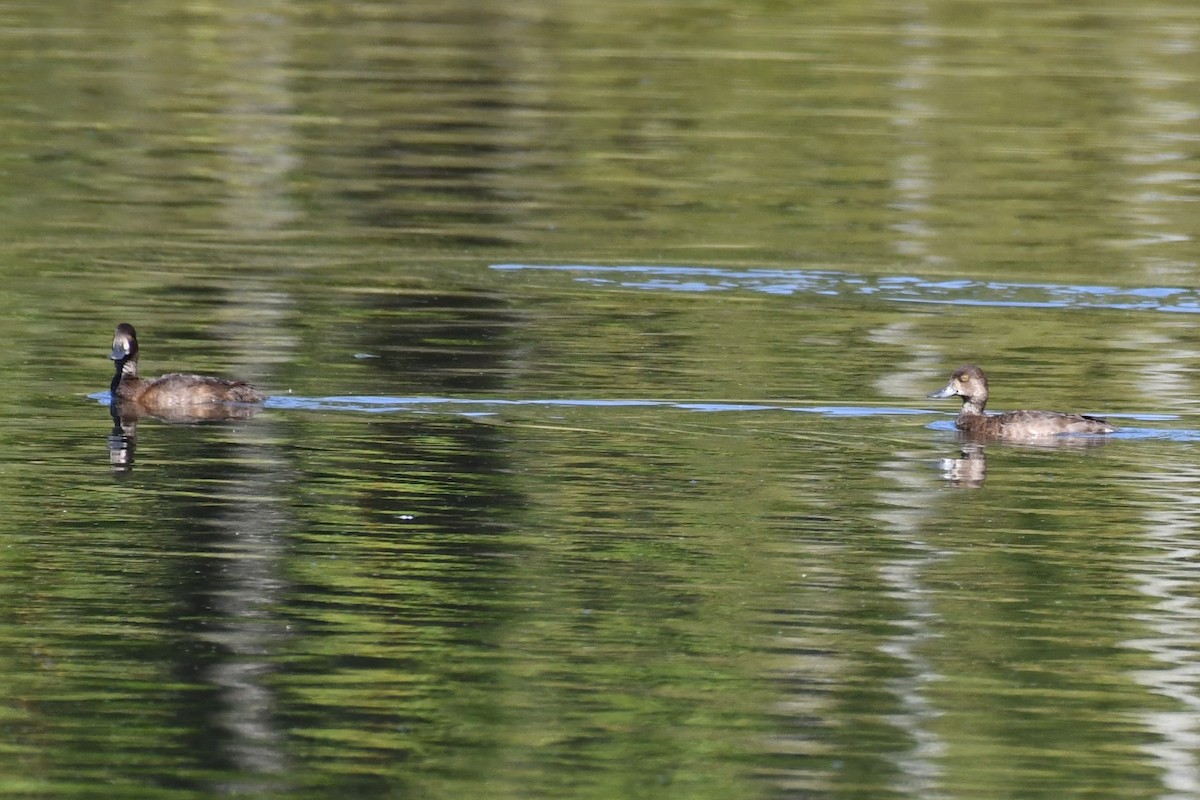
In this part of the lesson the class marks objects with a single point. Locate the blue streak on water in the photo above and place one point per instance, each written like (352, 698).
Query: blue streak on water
(486, 407)
(450, 405)
(900, 289)
(374, 404)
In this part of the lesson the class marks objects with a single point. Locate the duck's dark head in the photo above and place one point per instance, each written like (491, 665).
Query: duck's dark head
(125, 344)
(125, 354)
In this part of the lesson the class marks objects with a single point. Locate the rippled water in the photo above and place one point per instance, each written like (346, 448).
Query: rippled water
(598, 460)
(906, 289)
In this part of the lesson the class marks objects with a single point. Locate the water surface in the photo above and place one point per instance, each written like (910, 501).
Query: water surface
(598, 461)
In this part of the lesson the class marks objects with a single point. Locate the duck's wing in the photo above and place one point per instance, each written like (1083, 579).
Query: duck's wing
(1023, 424)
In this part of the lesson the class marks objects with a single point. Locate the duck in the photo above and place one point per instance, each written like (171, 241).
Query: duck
(970, 383)
(169, 394)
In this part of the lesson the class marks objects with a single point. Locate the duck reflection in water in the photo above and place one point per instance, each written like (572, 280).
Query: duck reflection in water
(969, 469)
(176, 398)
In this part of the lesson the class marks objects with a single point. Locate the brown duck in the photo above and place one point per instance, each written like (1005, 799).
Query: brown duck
(170, 393)
(969, 383)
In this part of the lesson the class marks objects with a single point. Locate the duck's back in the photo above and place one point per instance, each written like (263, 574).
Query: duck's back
(1035, 424)
(178, 389)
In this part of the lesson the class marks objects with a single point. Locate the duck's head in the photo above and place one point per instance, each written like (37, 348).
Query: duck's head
(967, 382)
(124, 344)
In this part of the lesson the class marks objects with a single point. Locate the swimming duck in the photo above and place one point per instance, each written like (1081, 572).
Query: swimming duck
(171, 393)
(969, 383)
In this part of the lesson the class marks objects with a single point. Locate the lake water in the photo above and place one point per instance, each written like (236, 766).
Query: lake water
(597, 461)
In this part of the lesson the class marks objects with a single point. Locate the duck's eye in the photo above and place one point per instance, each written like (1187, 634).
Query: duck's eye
(964, 378)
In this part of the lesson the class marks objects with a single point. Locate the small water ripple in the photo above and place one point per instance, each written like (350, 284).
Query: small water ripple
(900, 289)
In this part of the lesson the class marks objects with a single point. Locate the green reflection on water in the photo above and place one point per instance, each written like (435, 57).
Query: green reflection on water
(540, 653)
(1004, 140)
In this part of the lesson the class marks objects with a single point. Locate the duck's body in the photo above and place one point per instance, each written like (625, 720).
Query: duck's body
(970, 383)
(169, 392)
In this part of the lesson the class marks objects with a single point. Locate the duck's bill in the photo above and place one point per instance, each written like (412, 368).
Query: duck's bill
(943, 393)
